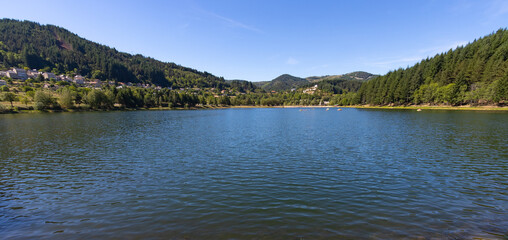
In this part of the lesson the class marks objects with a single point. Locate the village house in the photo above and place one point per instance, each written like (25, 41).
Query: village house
(3, 83)
(95, 83)
(11, 74)
(78, 79)
(33, 73)
(49, 76)
(21, 73)
(64, 78)
(311, 90)
(3, 73)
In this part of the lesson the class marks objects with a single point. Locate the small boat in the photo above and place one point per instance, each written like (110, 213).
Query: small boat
(419, 110)
(339, 109)
(327, 109)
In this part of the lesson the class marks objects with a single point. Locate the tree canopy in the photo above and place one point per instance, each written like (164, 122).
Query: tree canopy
(54, 49)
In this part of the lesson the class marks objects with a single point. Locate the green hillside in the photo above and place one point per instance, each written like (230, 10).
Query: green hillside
(360, 76)
(283, 82)
(52, 48)
(474, 74)
(333, 83)
(337, 86)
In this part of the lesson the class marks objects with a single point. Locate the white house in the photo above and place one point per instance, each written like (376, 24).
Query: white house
(11, 74)
(311, 90)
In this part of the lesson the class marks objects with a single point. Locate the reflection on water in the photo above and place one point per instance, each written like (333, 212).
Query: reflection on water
(254, 173)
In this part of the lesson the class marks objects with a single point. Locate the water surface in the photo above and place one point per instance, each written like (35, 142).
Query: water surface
(254, 173)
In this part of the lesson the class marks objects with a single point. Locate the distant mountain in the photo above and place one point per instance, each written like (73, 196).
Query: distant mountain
(360, 76)
(287, 82)
(282, 82)
(55, 49)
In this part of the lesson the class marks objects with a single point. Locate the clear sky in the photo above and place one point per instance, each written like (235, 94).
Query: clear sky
(258, 40)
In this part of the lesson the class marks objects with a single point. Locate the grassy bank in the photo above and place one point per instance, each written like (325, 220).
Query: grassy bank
(18, 107)
(428, 107)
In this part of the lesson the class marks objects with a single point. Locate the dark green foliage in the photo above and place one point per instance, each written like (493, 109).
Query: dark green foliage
(359, 76)
(283, 82)
(333, 83)
(125, 97)
(98, 99)
(44, 100)
(242, 85)
(48, 47)
(9, 97)
(472, 74)
(338, 86)
(66, 98)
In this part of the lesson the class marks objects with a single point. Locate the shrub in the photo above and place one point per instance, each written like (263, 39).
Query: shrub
(44, 100)
(66, 99)
(97, 99)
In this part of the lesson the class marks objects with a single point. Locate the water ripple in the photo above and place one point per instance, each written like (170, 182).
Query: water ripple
(254, 174)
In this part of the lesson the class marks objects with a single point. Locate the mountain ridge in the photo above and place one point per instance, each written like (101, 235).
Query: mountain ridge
(286, 81)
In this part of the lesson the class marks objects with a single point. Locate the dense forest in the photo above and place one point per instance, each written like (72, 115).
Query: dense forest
(359, 75)
(54, 49)
(473, 74)
(282, 83)
(337, 86)
(287, 82)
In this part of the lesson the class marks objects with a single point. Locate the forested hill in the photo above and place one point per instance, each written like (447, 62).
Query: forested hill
(286, 82)
(282, 82)
(475, 73)
(29, 44)
(360, 76)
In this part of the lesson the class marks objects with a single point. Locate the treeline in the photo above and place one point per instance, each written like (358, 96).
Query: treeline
(54, 49)
(242, 86)
(474, 74)
(109, 97)
(337, 86)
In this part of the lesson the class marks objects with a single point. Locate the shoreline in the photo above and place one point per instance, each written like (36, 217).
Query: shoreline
(411, 107)
(437, 107)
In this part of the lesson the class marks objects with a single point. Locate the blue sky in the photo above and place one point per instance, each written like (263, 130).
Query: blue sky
(258, 40)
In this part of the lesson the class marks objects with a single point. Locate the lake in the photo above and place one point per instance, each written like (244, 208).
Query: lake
(254, 174)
